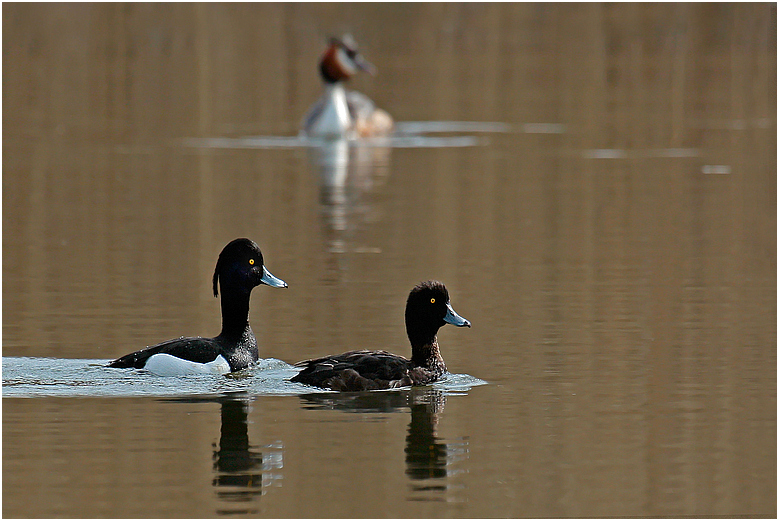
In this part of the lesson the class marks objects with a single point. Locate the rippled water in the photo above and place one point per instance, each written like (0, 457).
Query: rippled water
(25, 377)
(595, 184)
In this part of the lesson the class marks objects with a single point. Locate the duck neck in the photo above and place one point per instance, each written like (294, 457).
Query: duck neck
(235, 314)
(425, 353)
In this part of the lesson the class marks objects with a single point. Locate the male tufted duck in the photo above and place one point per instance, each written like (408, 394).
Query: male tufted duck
(239, 269)
(427, 309)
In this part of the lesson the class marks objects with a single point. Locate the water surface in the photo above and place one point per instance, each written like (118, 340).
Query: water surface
(26, 377)
(595, 184)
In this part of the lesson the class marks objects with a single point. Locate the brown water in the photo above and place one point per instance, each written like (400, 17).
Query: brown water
(614, 247)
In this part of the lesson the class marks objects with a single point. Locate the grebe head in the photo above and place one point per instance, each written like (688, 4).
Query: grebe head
(342, 60)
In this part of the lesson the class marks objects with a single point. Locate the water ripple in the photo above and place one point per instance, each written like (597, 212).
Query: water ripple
(29, 377)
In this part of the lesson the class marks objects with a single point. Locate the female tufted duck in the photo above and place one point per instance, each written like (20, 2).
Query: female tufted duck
(239, 269)
(427, 309)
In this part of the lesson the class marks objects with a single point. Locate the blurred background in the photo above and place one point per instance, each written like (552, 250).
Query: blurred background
(613, 242)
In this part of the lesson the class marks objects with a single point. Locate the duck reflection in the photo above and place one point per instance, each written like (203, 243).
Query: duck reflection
(429, 459)
(349, 171)
(242, 472)
(426, 456)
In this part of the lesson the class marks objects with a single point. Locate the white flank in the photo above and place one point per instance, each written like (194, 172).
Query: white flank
(163, 364)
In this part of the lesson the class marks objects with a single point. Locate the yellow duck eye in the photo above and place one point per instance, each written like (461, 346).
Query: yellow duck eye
(251, 261)
(432, 300)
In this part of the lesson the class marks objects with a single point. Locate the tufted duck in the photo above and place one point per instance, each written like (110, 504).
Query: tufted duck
(427, 309)
(239, 269)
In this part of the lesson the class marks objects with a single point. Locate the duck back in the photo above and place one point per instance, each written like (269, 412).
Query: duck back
(356, 371)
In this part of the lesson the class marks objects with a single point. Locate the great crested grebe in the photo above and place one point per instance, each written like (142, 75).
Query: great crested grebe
(340, 113)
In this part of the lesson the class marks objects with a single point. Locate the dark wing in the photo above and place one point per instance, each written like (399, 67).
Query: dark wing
(200, 350)
(355, 371)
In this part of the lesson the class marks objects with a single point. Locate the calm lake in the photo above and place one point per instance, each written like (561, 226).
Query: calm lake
(595, 184)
